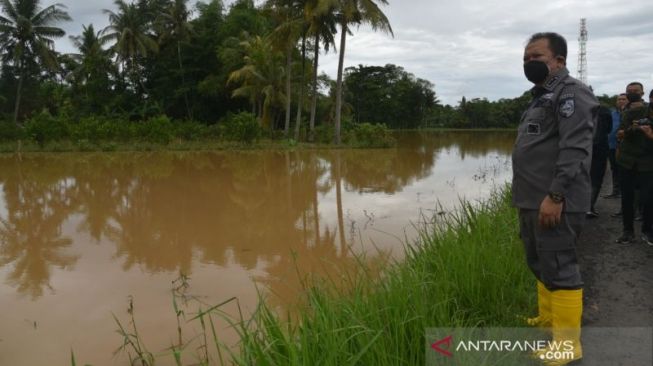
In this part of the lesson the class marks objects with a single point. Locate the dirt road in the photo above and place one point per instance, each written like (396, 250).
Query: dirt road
(618, 282)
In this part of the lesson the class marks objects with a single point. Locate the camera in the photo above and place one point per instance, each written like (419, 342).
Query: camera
(644, 122)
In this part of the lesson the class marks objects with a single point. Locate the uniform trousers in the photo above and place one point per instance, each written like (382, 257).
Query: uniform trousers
(551, 253)
(630, 179)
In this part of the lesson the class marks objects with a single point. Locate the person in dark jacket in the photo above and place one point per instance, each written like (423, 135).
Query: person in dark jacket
(647, 130)
(600, 152)
(635, 165)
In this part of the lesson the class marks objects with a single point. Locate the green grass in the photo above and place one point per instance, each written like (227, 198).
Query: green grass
(467, 271)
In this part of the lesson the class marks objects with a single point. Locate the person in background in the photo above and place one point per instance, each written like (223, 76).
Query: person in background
(612, 143)
(646, 127)
(635, 161)
(600, 152)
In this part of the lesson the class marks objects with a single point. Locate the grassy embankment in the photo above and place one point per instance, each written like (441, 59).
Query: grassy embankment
(466, 270)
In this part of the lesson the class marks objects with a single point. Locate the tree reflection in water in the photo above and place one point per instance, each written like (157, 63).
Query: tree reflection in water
(31, 241)
(162, 211)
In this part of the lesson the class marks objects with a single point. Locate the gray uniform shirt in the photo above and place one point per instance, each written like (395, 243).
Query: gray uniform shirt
(553, 149)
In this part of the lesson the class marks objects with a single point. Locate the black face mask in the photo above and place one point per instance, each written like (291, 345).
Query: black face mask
(633, 97)
(536, 71)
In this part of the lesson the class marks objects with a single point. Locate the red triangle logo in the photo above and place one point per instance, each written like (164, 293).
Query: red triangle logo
(438, 346)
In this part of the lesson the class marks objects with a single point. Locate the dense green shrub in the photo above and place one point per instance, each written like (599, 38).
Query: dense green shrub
(156, 129)
(370, 135)
(242, 127)
(9, 131)
(93, 132)
(44, 128)
(88, 129)
(120, 130)
(324, 134)
(190, 130)
(214, 131)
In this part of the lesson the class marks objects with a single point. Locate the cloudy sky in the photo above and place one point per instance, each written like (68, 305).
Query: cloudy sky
(473, 48)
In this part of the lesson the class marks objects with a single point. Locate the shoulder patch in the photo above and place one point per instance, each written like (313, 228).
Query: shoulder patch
(567, 107)
(552, 82)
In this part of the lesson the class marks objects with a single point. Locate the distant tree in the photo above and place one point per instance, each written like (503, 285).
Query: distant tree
(130, 29)
(176, 28)
(607, 100)
(320, 15)
(288, 14)
(209, 96)
(349, 13)
(388, 94)
(261, 80)
(90, 76)
(27, 35)
(243, 21)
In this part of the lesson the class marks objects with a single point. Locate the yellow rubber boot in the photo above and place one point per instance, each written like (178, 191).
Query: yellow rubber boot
(566, 311)
(543, 318)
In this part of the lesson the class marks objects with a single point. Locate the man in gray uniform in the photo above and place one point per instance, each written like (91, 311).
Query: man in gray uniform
(551, 184)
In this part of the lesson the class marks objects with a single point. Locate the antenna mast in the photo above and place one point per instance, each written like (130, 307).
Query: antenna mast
(582, 51)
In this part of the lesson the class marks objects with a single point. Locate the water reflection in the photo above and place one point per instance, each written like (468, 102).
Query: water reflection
(37, 202)
(267, 214)
(158, 208)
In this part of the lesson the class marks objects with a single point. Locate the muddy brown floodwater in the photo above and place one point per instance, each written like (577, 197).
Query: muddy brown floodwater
(81, 234)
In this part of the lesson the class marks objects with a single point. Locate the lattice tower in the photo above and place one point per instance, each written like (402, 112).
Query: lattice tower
(582, 52)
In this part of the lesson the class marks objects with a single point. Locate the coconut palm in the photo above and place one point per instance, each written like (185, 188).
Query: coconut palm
(132, 37)
(320, 15)
(27, 34)
(261, 79)
(176, 27)
(93, 62)
(285, 36)
(355, 12)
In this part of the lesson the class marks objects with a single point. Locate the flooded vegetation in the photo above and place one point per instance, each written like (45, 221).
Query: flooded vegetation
(81, 234)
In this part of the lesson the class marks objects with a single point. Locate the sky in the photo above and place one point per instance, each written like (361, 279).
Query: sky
(474, 48)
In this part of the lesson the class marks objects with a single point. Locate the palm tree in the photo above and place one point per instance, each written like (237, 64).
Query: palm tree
(320, 16)
(132, 37)
(285, 36)
(26, 36)
(355, 12)
(92, 62)
(174, 21)
(261, 79)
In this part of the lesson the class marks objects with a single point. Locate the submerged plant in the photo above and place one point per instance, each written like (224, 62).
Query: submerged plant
(132, 341)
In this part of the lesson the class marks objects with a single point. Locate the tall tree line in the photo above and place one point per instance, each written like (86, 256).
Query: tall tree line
(196, 63)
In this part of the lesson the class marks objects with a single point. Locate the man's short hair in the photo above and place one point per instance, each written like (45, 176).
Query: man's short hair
(636, 83)
(557, 43)
(623, 95)
(650, 95)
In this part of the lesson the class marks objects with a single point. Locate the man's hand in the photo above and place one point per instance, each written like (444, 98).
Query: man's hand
(550, 213)
(648, 131)
(620, 135)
